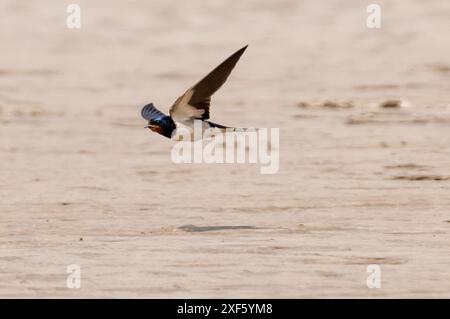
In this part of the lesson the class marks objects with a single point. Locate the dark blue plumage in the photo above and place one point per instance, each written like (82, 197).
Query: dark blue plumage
(158, 121)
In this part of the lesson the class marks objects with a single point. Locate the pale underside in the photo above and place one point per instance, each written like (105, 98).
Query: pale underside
(184, 113)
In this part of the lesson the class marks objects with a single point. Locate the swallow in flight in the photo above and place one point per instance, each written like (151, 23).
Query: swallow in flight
(193, 104)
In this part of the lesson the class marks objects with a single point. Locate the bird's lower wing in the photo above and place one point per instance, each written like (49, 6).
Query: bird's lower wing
(182, 112)
(150, 112)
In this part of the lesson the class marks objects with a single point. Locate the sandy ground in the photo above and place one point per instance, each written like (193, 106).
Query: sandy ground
(83, 183)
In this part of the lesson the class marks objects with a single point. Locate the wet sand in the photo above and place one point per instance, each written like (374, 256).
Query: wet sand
(83, 183)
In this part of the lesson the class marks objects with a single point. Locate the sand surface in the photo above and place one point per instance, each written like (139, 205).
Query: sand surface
(83, 183)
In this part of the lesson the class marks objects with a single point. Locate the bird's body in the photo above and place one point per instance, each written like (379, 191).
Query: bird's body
(193, 104)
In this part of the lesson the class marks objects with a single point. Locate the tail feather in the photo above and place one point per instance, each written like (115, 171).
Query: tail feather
(212, 124)
(232, 129)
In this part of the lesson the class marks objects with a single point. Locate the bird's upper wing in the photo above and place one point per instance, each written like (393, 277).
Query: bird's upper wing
(150, 112)
(194, 103)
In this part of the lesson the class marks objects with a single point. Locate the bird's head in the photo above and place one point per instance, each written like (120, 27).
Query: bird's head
(162, 125)
(158, 121)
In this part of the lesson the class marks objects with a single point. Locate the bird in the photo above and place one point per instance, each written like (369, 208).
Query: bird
(194, 104)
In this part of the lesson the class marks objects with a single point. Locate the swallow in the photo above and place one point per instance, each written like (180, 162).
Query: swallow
(193, 104)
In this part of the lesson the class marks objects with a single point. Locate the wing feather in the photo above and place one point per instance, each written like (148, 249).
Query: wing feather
(150, 112)
(195, 102)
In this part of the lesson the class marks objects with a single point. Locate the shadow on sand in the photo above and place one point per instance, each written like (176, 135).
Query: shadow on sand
(199, 229)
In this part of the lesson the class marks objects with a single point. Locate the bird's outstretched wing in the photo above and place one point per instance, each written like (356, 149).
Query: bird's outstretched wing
(150, 112)
(195, 102)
